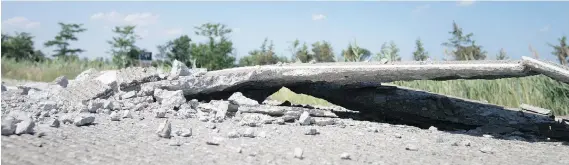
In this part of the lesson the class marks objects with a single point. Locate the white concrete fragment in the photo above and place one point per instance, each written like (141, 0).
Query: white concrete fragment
(169, 99)
(160, 113)
(411, 147)
(433, 129)
(178, 69)
(186, 133)
(115, 116)
(84, 119)
(238, 98)
(127, 114)
(311, 131)
(94, 105)
(345, 156)
(55, 123)
(249, 132)
(323, 121)
(214, 141)
(233, 134)
(128, 95)
(165, 129)
(305, 119)
(25, 127)
(48, 105)
(298, 153)
(8, 126)
(486, 149)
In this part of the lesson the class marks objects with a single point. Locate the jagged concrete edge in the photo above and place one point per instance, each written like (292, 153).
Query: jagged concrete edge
(425, 108)
(553, 71)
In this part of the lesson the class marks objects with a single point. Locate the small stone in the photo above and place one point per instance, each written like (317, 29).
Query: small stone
(279, 121)
(249, 132)
(487, 150)
(239, 150)
(214, 141)
(186, 133)
(372, 129)
(211, 126)
(61, 81)
(412, 148)
(174, 142)
(487, 136)
(305, 118)
(106, 111)
(40, 134)
(128, 95)
(83, 120)
(160, 113)
(298, 153)
(433, 128)
(127, 114)
(165, 129)
(233, 134)
(345, 156)
(323, 121)
(262, 134)
(115, 116)
(55, 123)
(26, 126)
(311, 131)
(462, 143)
(397, 136)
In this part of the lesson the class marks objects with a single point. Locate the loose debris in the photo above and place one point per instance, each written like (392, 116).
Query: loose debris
(165, 129)
(345, 156)
(298, 153)
(83, 120)
(214, 141)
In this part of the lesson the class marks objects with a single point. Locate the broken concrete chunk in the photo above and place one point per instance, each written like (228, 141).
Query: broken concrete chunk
(279, 121)
(8, 126)
(61, 81)
(298, 153)
(305, 119)
(160, 113)
(253, 119)
(535, 109)
(115, 116)
(323, 121)
(128, 95)
(178, 69)
(311, 131)
(345, 156)
(165, 129)
(83, 120)
(214, 141)
(412, 147)
(24, 89)
(233, 134)
(109, 78)
(4, 88)
(48, 105)
(54, 123)
(238, 98)
(169, 99)
(249, 132)
(127, 114)
(95, 105)
(25, 127)
(134, 76)
(186, 133)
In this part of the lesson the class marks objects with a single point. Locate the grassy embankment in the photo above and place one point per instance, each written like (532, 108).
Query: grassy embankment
(511, 92)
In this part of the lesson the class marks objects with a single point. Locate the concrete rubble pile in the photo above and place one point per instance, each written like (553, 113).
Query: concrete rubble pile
(240, 94)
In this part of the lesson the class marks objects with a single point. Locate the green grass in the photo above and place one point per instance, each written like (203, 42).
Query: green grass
(539, 91)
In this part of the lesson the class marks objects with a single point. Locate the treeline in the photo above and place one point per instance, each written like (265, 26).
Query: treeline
(217, 52)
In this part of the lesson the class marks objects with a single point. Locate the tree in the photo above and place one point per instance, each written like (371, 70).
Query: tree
(62, 39)
(561, 51)
(217, 52)
(20, 47)
(323, 52)
(420, 54)
(300, 52)
(177, 49)
(354, 53)
(389, 52)
(502, 55)
(264, 56)
(464, 47)
(123, 47)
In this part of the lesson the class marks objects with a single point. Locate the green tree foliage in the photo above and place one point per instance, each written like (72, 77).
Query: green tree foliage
(323, 52)
(264, 56)
(177, 49)
(217, 52)
(464, 47)
(561, 51)
(300, 52)
(389, 52)
(420, 54)
(20, 47)
(62, 39)
(123, 49)
(502, 55)
(354, 53)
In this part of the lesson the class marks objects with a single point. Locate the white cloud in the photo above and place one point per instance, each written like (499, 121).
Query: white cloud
(174, 31)
(21, 22)
(545, 28)
(419, 9)
(317, 17)
(465, 2)
(138, 19)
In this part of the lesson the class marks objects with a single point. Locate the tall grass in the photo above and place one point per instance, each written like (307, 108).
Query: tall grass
(511, 92)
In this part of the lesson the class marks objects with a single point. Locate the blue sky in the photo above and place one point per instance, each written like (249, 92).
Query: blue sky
(509, 25)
